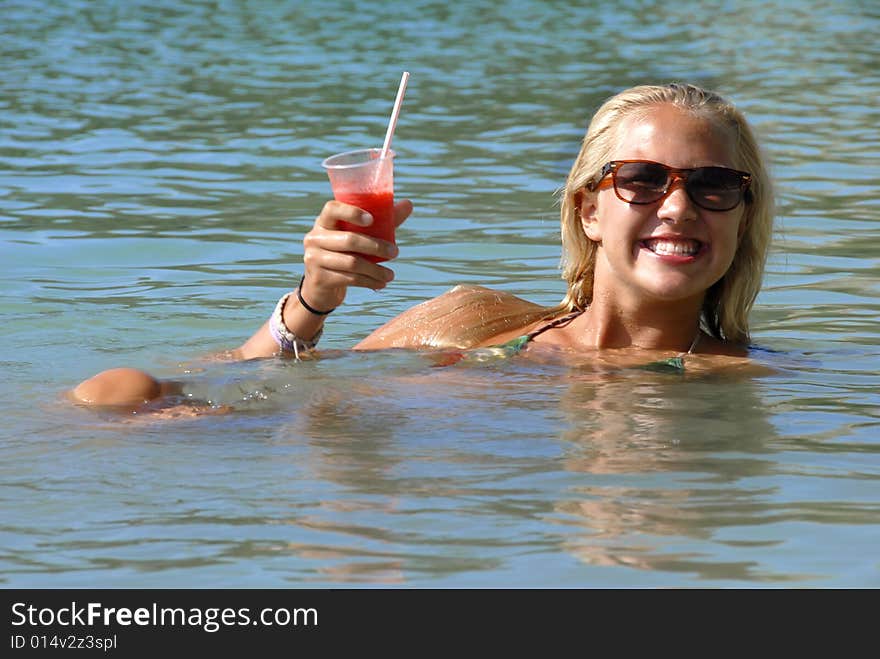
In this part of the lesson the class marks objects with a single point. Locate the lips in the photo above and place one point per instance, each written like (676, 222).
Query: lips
(681, 247)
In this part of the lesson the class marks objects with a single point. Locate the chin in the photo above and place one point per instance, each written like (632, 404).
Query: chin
(671, 286)
(675, 293)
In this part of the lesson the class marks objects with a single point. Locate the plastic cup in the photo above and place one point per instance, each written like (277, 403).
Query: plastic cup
(363, 179)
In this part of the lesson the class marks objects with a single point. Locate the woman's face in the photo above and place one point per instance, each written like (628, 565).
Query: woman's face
(672, 249)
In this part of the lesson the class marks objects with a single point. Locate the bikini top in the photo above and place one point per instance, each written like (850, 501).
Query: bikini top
(518, 344)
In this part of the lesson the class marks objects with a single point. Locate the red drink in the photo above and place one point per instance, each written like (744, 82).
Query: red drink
(378, 204)
(363, 179)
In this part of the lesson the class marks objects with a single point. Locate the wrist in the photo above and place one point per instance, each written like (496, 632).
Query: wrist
(289, 342)
(320, 306)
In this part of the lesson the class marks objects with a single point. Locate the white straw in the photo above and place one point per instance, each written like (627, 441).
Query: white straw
(392, 124)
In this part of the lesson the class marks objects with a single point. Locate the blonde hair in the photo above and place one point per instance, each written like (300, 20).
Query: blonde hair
(728, 302)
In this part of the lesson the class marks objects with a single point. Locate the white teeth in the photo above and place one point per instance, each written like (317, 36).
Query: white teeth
(673, 247)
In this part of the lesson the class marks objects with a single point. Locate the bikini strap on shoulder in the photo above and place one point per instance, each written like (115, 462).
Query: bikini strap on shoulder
(557, 322)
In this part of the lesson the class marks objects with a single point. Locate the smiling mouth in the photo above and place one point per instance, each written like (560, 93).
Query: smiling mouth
(668, 247)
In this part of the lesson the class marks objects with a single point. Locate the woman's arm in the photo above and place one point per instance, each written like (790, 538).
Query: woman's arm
(333, 261)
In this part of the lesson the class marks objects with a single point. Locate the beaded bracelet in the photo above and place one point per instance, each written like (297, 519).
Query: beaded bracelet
(287, 340)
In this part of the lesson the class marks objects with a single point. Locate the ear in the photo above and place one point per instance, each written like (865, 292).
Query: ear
(589, 215)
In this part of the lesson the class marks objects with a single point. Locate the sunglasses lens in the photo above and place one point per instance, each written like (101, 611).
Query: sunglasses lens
(712, 188)
(715, 188)
(641, 182)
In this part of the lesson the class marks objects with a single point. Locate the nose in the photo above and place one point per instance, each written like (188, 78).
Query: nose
(676, 205)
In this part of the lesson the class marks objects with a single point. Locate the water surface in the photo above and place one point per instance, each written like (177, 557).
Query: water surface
(159, 164)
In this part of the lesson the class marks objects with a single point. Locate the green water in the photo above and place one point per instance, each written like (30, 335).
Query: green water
(159, 164)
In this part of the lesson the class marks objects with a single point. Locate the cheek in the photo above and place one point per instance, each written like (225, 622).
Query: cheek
(604, 217)
(622, 223)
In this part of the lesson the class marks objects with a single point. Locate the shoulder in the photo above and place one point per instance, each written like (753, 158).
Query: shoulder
(463, 317)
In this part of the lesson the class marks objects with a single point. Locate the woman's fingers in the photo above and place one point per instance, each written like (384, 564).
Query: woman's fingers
(335, 212)
(326, 234)
(328, 268)
(349, 241)
(335, 259)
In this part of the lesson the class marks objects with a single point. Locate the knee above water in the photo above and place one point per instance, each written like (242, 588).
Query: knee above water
(118, 387)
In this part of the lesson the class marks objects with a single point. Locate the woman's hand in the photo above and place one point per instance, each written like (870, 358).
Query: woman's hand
(333, 257)
(333, 261)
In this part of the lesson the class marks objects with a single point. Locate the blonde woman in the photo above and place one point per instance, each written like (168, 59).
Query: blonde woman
(667, 217)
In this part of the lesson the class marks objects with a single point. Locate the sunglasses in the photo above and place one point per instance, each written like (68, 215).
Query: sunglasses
(647, 182)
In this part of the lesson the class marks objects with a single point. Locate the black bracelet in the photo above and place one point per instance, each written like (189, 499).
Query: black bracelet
(305, 304)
